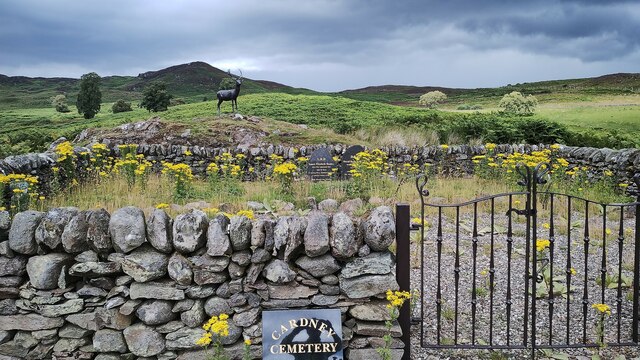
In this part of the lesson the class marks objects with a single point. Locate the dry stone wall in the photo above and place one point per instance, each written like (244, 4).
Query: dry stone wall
(455, 160)
(92, 285)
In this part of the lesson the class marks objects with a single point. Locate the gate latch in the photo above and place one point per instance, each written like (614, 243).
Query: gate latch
(524, 212)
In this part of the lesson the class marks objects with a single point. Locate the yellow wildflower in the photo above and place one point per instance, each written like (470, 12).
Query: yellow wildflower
(162, 206)
(602, 308)
(542, 244)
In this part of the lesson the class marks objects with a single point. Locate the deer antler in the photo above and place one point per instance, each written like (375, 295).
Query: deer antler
(241, 76)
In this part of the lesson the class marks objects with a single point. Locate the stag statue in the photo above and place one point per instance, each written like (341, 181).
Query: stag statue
(225, 95)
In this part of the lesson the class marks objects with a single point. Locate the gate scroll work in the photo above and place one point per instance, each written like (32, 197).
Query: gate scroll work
(522, 270)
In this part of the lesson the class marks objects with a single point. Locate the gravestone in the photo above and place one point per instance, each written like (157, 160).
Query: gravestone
(302, 334)
(347, 160)
(320, 165)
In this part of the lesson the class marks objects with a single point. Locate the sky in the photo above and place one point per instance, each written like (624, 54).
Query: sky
(326, 45)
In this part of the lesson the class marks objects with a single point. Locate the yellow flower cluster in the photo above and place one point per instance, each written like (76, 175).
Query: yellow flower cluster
(14, 178)
(397, 298)
(490, 146)
(369, 163)
(285, 169)
(248, 213)
(217, 325)
(178, 171)
(602, 308)
(64, 151)
(162, 206)
(542, 244)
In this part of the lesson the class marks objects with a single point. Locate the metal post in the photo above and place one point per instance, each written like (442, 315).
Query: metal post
(403, 268)
(636, 268)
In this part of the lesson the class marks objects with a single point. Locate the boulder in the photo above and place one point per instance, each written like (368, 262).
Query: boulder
(143, 341)
(380, 229)
(373, 311)
(179, 269)
(218, 243)
(108, 340)
(319, 266)
(377, 263)
(155, 312)
(22, 235)
(240, 233)
(127, 229)
(95, 269)
(195, 316)
(257, 233)
(145, 264)
(279, 272)
(49, 231)
(44, 270)
(214, 306)
(160, 231)
(367, 285)
(74, 236)
(189, 231)
(344, 240)
(68, 307)
(183, 339)
(316, 235)
(209, 270)
(29, 322)
(155, 290)
(297, 227)
(13, 266)
(328, 205)
(98, 231)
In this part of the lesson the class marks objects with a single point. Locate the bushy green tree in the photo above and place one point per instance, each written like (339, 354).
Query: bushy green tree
(89, 97)
(155, 97)
(518, 104)
(227, 84)
(60, 103)
(121, 106)
(432, 99)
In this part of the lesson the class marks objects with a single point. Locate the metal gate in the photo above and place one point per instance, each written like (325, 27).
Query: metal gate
(523, 270)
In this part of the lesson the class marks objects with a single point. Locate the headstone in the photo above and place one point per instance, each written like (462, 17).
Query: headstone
(347, 159)
(302, 334)
(320, 165)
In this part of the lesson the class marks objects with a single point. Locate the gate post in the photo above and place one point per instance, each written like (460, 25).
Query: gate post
(636, 268)
(403, 269)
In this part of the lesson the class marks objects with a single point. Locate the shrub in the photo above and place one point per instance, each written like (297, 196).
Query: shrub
(432, 99)
(60, 103)
(155, 97)
(121, 106)
(517, 104)
(89, 97)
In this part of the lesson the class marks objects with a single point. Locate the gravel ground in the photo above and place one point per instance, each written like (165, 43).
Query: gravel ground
(551, 325)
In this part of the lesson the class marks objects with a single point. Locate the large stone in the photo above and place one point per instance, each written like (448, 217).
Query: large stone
(69, 307)
(279, 272)
(108, 340)
(29, 322)
(195, 316)
(111, 318)
(368, 285)
(87, 321)
(189, 231)
(240, 233)
(214, 306)
(316, 235)
(127, 229)
(373, 311)
(380, 229)
(344, 240)
(319, 266)
(8, 307)
(95, 269)
(44, 270)
(143, 340)
(155, 290)
(294, 291)
(13, 266)
(98, 231)
(145, 264)
(297, 227)
(5, 224)
(13, 350)
(179, 269)
(376, 328)
(247, 318)
(49, 231)
(209, 270)
(218, 243)
(328, 205)
(74, 236)
(22, 235)
(372, 354)
(155, 312)
(377, 263)
(281, 233)
(160, 231)
(69, 345)
(183, 339)
(257, 233)
(72, 331)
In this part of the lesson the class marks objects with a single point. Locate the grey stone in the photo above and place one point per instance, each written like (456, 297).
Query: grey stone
(376, 328)
(89, 291)
(145, 264)
(242, 258)
(13, 266)
(155, 312)
(95, 269)
(293, 291)
(260, 255)
(380, 229)
(316, 235)
(86, 321)
(98, 231)
(364, 250)
(279, 272)
(5, 336)
(253, 273)
(329, 289)
(236, 271)
(74, 236)
(257, 233)
(367, 285)
(11, 281)
(286, 303)
(160, 231)
(218, 243)
(377, 263)
(297, 228)
(183, 339)
(104, 356)
(72, 331)
(155, 290)
(108, 340)
(351, 206)
(114, 302)
(255, 206)
(111, 318)
(281, 233)
(372, 354)
(195, 316)
(69, 307)
(324, 300)
(5, 224)
(190, 231)
(183, 305)
(129, 307)
(49, 231)
(65, 345)
(240, 233)
(209, 270)
(344, 240)
(44, 270)
(87, 256)
(23, 230)
(29, 322)
(328, 205)
(14, 350)
(237, 300)
(143, 340)
(45, 335)
(5, 250)
(127, 229)
(330, 280)
(171, 326)
(234, 335)
(319, 266)
(179, 269)
(373, 311)
(216, 306)
(8, 307)
(199, 292)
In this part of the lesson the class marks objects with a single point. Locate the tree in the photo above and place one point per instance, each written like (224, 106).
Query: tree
(60, 103)
(121, 106)
(89, 97)
(155, 97)
(517, 104)
(227, 84)
(432, 99)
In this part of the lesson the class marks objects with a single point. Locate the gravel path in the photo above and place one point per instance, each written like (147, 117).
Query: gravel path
(507, 323)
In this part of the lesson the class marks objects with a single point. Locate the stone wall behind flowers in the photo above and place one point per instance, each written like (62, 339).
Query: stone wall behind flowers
(453, 160)
(93, 285)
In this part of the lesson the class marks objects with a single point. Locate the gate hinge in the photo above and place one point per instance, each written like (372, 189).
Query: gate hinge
(524, 212)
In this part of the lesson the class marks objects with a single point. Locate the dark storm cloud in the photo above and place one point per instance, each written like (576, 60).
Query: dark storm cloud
(326, 44)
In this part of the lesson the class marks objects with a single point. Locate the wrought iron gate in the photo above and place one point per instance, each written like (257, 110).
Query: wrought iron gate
(522, 270)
